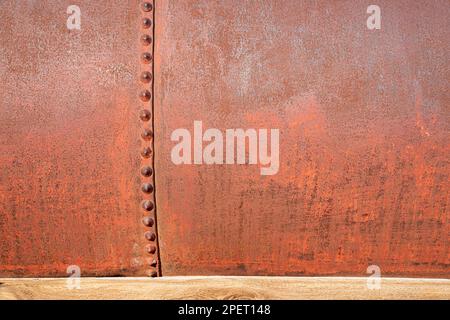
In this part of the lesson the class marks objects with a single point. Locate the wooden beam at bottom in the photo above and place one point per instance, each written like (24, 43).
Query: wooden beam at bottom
(224, 288)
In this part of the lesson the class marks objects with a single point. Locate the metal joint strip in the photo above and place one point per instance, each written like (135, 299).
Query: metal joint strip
(148, 204)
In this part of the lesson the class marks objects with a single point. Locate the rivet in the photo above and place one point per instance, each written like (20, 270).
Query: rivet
(145, 115)
(146, 23)
(147, 134)
(146, 39)
(150, 236)
(147, 188)
(146, 77)
(153, 274)
(154, 263)
(147, 6)
(146, 171)
(147, 205)
(145, 95)
(147, 57)
(146, 152)
(150, 249)
(148, 221)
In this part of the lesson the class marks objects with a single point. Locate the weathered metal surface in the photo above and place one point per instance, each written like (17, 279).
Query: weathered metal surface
(363, 118)
(70, 139)
(364, 126)
(147, 172)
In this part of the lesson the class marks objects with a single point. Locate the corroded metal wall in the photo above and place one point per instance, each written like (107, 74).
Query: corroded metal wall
(70, 139)
(364, 126)
(363, 117)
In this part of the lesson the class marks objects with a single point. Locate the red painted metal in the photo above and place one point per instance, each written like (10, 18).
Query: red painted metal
(364, 126)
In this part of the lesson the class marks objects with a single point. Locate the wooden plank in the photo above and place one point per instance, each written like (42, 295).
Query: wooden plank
(224, 288)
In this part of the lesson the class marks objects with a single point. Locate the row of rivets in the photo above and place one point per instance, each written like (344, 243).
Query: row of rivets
(145, 116)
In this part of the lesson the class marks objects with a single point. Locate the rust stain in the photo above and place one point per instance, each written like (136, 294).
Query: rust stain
(69, 137)
(363, 118)
(364, 126)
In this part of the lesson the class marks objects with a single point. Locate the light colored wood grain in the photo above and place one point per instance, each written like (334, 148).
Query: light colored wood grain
(225, 288)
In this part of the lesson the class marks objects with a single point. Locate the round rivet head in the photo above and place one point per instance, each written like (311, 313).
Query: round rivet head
(150, 249)
(145, 95)
(147, 205)
(146, 77)
(146, 152)
(147, 6)
(146, 39)
(147, 188)
(153, 274)
(146, 171)
(147, 134)
(150, 236)
(148, 221)
(146, 23)
(153, 263)
(146, 57)
(145, 115)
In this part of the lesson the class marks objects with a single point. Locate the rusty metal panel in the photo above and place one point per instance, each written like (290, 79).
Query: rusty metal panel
(364, 123)
(363, 120)
(70, 137)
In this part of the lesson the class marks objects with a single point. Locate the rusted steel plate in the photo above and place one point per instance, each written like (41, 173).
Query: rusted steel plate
(363, 117)
(70, 139)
